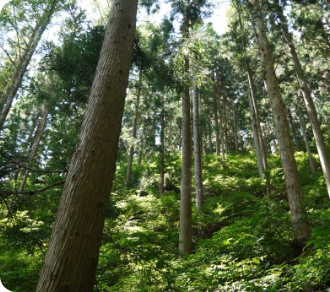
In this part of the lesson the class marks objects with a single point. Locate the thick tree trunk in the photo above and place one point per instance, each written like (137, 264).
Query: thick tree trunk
(295, 197)
(197, 151)
(34, 146)
(185, 233)
(71, 260)
(310, 107)
(9, 93)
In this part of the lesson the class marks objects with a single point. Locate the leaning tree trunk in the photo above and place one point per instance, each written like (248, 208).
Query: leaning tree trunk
(295, 196)
(34, 147)
(310, 107)
(185, 233)
(71, 260)
(9, 93)
(134, 131)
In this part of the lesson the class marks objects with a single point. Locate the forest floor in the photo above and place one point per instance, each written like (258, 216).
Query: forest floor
(241, 242)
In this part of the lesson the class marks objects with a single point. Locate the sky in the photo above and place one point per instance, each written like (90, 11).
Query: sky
(218, 18)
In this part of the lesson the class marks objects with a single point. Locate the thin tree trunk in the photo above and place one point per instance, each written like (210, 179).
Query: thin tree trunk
(185, 233)
(295, 196)
(259, 136)
(304, 134)
(310, 107)
(210, 137)
(34, 147)
(71, 260)
(216, 119)
(135, 122)
(9, 93)
(141, 148)
(293, 130)
(197, 150)
(256, 137)
(235, 127)
(225, 124)
(162, 147)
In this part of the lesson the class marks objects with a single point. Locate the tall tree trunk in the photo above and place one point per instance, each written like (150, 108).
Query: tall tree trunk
(304, 134)
(235, 127)
(216, 119)
(295, 196)
(71, 260)
(293, 130)
(185, 233)
(210, 136)
(259, 133)
(256, 138)
(134, 131)
(197, 150)
(310, 107)
(225, 124)
(141, 147)
(9, 93)
(34, 146)
(162, 147)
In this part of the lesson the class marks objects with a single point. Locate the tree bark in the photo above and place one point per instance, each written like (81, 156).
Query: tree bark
(235, 127)
(295, 196)
(310, 107)
(162, 147)
(293, 130)
(216, 119)
(71, 260)
(185, 233)
(304, 134)
(197, 151)
(9, 93)
(134, 131)
(34, 146)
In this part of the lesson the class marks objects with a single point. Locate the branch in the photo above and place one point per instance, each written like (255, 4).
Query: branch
(31, 192)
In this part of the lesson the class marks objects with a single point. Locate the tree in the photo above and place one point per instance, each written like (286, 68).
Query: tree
(72, 257)
(20, 67)
(307, 95)
(295, 196)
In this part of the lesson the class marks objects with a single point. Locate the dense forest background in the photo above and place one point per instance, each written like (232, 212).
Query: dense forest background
(222, 177)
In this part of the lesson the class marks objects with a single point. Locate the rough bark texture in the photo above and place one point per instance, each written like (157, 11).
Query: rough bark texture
(9, 93)
(295, 197)
(185, 233)
(310, 107)
(71, 260)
